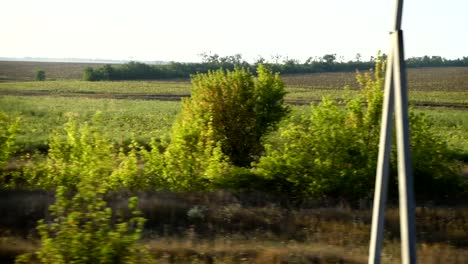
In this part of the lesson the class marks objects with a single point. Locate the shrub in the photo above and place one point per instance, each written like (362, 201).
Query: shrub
(222, 124)
(82, 165)
(8, 131)
(89, 74)
(333, 150)
(83, 230)
(82, 151)
(104, 73)
(40, 75)
(76, 152)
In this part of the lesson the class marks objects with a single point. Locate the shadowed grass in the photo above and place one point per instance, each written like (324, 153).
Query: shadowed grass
(224, 227)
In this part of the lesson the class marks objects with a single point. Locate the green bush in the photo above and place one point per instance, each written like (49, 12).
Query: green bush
(436, 175)
(89, 74)
(103, 73)
(333, 150)
(82, 151)
(83, 230)
(154, 167)
(40, 75)
(82, 166)
(76, 152)
(222, 125)
(8, 130)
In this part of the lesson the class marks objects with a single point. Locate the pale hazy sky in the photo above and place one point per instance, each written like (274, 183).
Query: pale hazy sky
(179, 30)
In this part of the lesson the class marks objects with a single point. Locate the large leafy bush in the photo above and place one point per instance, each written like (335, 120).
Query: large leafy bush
(222, 125)
(332, 151)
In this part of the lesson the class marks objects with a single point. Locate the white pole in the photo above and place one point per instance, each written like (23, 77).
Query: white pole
(383, 164)
(395, 97)
(405, 181)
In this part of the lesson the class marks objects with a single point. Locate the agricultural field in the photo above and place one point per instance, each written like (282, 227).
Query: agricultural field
(427, 87)
(25, 70)
(223, 226)
(149, 107)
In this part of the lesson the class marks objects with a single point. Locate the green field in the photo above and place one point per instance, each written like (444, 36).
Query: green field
(42, 105)
(120, 119)
(427, 86)
(84, 88)
(144, 119)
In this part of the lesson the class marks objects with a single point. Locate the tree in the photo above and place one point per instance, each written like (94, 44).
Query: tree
(358, 57)
(223, 123)
(40, 75)
(89, 74)
(329, 58)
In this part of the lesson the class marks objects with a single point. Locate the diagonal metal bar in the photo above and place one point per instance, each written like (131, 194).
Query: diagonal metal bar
(398, 15)
(383, 165)
(405, 181)
(395, 100)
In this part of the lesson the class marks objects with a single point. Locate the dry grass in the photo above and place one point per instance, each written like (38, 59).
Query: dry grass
(11, 246)
(222, 227)
(228, 250)
(233, 250)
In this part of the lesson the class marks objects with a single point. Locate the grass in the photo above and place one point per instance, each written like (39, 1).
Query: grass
(144, 119)
(452, 97)
(82, 87)
(451, 125)
(255, 228)
(227, 251)
(448, 98)
(121, 119)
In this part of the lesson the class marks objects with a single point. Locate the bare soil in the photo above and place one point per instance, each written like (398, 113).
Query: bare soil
(178, 97)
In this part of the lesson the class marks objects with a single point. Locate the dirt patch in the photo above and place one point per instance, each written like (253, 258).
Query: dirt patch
(97, 95)
(178, 97)
(464, 171)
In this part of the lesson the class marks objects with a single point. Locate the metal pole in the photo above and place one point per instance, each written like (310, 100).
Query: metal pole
(395, 97)
(405, 181)
(398, 14)
(383, 164)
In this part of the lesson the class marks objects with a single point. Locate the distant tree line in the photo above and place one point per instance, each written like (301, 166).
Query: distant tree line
(436, 61)
(327, 63)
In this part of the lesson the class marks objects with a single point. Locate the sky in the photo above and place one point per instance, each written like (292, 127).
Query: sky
(180, 30)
